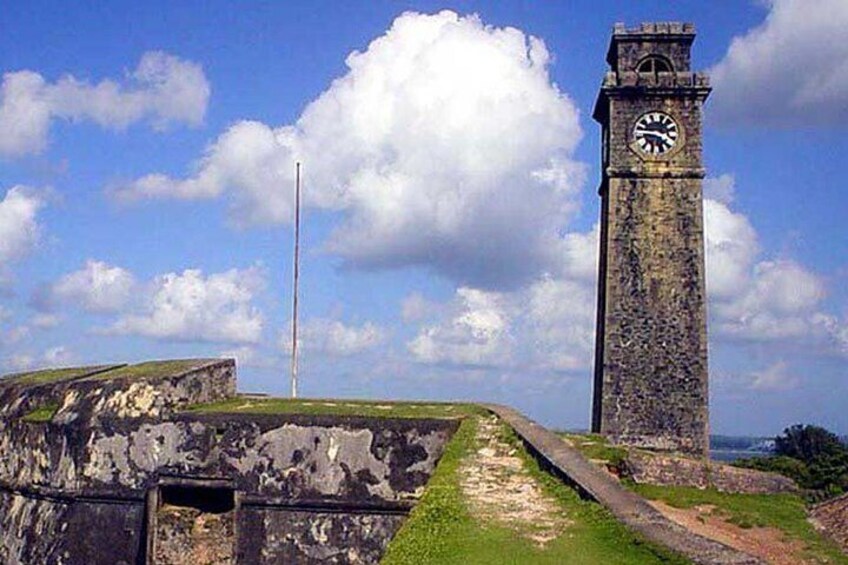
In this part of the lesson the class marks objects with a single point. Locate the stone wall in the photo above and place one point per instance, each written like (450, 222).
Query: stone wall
(832, 518)
(669, 470)
(314, 536)
(85, 486)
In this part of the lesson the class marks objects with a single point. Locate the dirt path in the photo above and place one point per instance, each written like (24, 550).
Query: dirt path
(769, 544)
(500, 489)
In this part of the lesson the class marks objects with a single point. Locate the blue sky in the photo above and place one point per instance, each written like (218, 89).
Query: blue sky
(450, 175)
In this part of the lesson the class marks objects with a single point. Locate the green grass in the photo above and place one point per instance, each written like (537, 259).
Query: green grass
(49, 375)
(786, 512)
(596, 448)
(41, 414)
(440, 529)
(152, 369)
(252, 405)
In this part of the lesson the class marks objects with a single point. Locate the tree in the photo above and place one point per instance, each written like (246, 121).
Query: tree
(809, 444)
(812, 456)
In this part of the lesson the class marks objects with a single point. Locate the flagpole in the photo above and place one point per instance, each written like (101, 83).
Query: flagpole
(296, 277)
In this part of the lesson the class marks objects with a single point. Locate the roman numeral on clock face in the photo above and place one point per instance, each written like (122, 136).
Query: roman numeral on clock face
(655, 133)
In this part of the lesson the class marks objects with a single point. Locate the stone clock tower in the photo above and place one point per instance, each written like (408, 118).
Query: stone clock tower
(650, 385)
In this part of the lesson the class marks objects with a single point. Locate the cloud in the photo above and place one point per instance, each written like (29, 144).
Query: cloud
(162, 90)
(549, 324)
(776, 377)
(561, 323)
(730, 248)
(721, 189)
(782, 301)
(193, 307)
(248, 356)
(18, 362)
(474, 333)
(415, 307)
(792, 70)
(97, 287)
(445, 145)
(754, 299)
(19, 228)
(58, 356)
(45, 321)
(334, 338)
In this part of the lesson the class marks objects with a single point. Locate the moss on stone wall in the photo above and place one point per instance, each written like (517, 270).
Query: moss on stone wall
(252, 405)
(153, 369)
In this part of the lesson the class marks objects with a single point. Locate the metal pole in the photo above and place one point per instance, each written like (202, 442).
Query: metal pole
(296, 276)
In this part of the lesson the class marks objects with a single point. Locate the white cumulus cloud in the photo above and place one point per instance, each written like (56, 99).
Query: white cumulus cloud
(445, 144)
(475, 332)
(192, 306)
(19, 228)
(335, 338)
(97, 287)
(730, 246)
(758, 299)
(792, 70)
(560, 322)
(163, 89)
(549, 324)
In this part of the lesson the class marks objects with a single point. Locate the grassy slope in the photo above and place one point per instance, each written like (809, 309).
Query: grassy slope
(440, 529)
(251, 405)
(48, 375)
(786, 512)
(148, 369)
(152, 369)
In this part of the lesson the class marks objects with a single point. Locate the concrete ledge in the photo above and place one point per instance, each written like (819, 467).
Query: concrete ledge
(632, 510)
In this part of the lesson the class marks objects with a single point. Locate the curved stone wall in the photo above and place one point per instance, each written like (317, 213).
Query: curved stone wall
(86, 486)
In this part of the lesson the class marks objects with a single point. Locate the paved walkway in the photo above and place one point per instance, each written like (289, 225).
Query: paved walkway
(629, 508)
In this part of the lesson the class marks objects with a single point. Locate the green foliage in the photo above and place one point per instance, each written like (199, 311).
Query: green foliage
(41, 414)
(440, 529)
(786, 512)
(786, 466)
(809, 444)
(253, 405)
(812, 456)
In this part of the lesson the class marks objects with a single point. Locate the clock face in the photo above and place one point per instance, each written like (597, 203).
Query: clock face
(656, 133)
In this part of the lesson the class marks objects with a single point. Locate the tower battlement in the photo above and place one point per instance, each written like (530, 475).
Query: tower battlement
(668, 42)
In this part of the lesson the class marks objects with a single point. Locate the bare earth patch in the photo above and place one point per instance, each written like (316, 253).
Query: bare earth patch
(769, 544)
(500, 489)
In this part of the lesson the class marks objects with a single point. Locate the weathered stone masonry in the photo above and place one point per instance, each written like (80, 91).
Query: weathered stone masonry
(120, 475)
(651, 352)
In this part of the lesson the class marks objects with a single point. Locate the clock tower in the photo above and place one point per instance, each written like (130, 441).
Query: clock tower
(650, 385)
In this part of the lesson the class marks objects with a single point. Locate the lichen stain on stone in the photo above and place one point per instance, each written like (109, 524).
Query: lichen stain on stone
(46, 461)
(159, 445)
(30, 522)
(108, 458)
(139, 399)
(432, 444)
(112, 441)
(326, 454)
